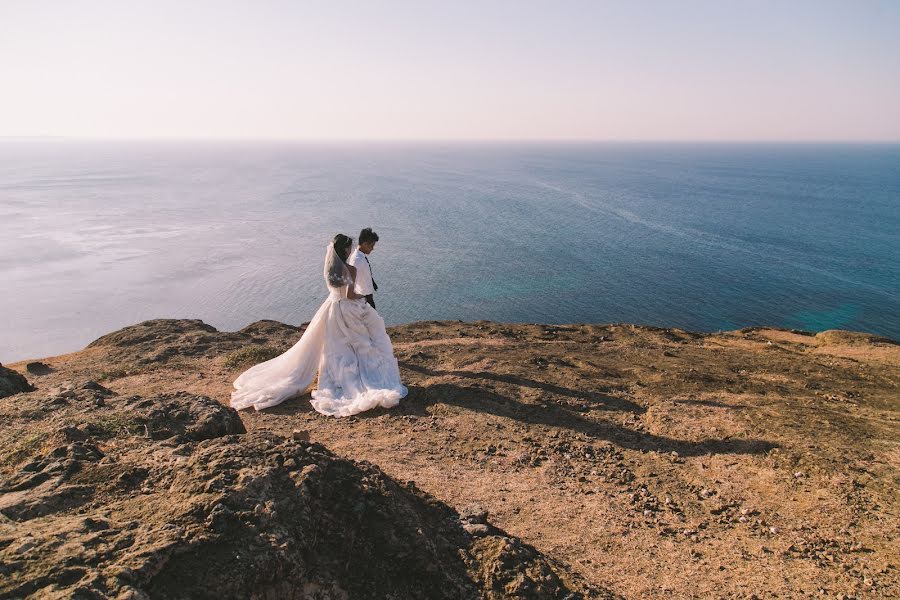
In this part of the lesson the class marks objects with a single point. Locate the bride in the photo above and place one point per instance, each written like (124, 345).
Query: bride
(345, 343)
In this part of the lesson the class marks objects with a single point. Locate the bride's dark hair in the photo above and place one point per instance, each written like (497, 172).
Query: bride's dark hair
(342, 245)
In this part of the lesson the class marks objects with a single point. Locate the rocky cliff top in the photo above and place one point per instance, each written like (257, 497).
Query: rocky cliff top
(529, 461)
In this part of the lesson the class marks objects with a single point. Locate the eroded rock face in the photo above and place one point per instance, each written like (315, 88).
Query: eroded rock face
(184, 416)
(12, 382)
(71, 426)
(51, 483)
(166, 497)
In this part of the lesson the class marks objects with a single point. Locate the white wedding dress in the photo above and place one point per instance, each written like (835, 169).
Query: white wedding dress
(345, 343)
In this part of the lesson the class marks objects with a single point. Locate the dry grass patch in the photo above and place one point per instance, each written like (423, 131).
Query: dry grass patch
(251, 355)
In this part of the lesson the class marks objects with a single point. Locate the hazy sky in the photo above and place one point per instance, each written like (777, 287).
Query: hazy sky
(628, 70)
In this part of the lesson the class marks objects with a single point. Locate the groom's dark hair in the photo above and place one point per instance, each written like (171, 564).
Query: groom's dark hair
(367, 235)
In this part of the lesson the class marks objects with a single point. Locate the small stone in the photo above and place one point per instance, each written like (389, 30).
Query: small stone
(476, 529)
(474, 513)
(96, 387)
(773, 530)
(300, 435)
(91, 524)
(24, 547)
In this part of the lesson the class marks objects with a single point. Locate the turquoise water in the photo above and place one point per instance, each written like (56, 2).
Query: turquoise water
(98, 235)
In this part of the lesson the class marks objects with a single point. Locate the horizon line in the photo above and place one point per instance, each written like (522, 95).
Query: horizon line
(191, 138)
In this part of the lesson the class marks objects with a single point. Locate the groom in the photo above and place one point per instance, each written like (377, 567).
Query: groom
(365, 284)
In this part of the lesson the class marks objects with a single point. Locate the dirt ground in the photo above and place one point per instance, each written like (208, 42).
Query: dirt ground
(656, 463)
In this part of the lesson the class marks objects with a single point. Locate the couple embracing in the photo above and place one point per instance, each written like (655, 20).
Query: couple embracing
(345, 343)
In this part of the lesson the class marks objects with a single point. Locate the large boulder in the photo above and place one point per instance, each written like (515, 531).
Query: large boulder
(13, 382)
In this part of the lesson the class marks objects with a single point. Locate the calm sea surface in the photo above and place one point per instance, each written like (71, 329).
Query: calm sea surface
(98, 235)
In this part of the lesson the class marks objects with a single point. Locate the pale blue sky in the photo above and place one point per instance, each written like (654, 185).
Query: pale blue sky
(629, 70)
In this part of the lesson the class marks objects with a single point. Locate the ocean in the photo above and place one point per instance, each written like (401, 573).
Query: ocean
(96, 235)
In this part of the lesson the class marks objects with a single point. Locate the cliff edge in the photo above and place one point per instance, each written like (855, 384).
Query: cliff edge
(528, 461)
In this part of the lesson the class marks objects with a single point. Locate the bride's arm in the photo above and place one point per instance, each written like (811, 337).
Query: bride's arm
(351, 295)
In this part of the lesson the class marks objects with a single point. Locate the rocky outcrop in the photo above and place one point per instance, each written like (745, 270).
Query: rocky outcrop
(156, 332)
(166, 497)
(160, 340)
(38, 368)
(13, 382)
(652, 461)
(184, 417)
(851, 338)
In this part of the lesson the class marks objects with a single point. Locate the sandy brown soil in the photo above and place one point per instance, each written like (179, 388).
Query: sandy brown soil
(656, 463)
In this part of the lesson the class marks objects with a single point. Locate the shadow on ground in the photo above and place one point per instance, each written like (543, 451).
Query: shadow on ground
(556, 414)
